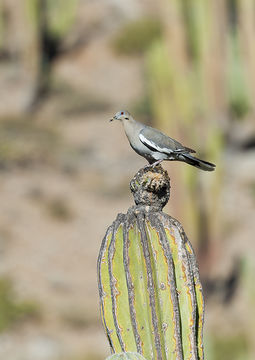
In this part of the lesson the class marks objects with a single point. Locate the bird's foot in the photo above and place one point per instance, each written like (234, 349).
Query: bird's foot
(147, 166)
(153, 165)
(156, 163)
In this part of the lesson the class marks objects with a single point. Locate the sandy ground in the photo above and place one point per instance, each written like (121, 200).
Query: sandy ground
(51, 258)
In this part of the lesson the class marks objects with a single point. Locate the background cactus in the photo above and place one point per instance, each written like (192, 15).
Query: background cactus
(150, 292)
(182, 77)
(50, 23)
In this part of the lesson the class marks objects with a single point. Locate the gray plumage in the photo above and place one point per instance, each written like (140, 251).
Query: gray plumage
(155, 146)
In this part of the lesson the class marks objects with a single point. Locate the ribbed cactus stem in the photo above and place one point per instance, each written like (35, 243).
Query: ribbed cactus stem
(126, 356)
(150, 293)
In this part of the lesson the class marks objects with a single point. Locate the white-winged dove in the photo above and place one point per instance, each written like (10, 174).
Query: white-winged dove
(155, 146)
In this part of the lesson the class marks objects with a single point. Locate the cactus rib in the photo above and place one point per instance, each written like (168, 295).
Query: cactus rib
(150, 293)
(153, 301)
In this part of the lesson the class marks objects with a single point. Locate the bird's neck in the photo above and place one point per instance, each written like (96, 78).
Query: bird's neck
(131, 127)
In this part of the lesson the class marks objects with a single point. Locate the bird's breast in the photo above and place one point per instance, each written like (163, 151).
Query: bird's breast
(132, 132)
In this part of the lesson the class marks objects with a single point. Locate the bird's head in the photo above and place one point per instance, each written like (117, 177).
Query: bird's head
(122, 116)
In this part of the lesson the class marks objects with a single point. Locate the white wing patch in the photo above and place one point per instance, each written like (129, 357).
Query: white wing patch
(154, 146)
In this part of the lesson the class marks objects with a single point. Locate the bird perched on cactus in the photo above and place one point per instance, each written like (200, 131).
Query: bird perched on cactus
(155, 146)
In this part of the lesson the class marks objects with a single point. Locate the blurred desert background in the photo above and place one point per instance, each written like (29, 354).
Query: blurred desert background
(186, 67)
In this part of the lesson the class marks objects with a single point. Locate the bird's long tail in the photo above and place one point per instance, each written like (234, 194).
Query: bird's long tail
(200, 164)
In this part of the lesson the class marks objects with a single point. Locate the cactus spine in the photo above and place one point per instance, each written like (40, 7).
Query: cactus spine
(150, 293)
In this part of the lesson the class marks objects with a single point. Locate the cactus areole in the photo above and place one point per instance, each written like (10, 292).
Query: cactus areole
(150, 294)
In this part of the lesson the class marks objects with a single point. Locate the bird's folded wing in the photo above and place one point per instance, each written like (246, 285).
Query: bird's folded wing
(157, 141)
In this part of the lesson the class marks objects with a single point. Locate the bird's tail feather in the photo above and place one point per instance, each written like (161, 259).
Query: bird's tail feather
(200, 164)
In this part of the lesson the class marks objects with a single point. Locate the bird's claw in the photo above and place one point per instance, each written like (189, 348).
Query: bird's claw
(148, 166)
(156, 163)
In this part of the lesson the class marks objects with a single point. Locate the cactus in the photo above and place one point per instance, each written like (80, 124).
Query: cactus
(150, 293)
(182, 79)
(60, 17)
(1, 26)
(50, 21)
(126, 356)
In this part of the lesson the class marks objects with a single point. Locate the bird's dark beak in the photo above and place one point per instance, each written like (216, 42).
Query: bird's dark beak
(113, 118)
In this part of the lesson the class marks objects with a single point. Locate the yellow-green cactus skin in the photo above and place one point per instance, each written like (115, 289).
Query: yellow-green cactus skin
(150, 293)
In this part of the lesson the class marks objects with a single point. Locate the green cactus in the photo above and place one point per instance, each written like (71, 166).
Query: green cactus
(126, 356)
(1, 26)
(150, 292)
(50, 21)
(182, 80)
(59, 17)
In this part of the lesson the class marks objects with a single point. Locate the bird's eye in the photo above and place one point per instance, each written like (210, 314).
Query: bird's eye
(122, 113)
(126, 118)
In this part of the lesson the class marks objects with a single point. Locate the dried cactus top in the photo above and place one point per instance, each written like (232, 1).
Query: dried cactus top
(151, 187)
